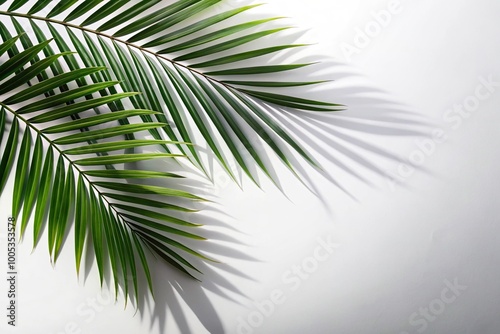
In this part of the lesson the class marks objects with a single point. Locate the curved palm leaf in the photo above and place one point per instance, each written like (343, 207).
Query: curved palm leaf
(189, 63)
(68, 168)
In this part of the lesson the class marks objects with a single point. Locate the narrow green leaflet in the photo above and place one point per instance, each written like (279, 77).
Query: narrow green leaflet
(256, 70)
(26, 76)
(244, 56)
(50, 84)
(114, 146)
(82, 9)
(67, 201)
(198, 26)
(131, 174)
(59, 99)
(56, 202)
(43, 195)
(166, 23)
(147, 202)
(104, 133)
(146, 189)
(95, 120)
(161, 14)
(9, 153)
(16, 4)
(228, 44)
(108, 9)
(122, 158)
(7, 45)
(19, 60)
(21, 173)
(61, 6)
(128, 15)
(154, 215)
(76, 108)
(81, 219)
(161, 227)
(32, 184)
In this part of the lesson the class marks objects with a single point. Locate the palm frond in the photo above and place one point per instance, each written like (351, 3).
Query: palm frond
(68, 167)
(192, 62)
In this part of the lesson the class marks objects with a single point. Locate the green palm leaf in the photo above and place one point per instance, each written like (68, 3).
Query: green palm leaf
(190, 64)
(63, 170)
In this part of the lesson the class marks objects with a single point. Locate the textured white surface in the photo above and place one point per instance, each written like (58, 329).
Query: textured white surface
(399, 245)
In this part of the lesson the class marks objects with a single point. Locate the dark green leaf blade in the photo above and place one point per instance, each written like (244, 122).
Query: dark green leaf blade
(146, 189)
(130, 14)
(272, 84)
(148, 19)
(19, 60)
(104, 11)
(97, 234)
(62, 98)
(7, 45)
(129, 174)
(26, 75)
(154, 215)
(286, 98)
(78, 108)
(105, 133)
(52, 83)
(68, 202)
(147, 202)
(228, 44)
(244, 56)
(82, 9)
(61, 7)
(160, 227)
(16, 4)
(176, 17)
(95, 120)
(38, 6)
(57, 197)
(81, 221)
(123, 158)
(21, 173)
(42, 202)
(197, 26)
(113, 146)
(33, 183)
(9, 153)
(257, 70)
(144, 262)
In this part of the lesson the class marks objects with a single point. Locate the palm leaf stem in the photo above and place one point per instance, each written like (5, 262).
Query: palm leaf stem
(113, 38)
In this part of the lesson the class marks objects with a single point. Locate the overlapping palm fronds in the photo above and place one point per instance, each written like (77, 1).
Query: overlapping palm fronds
(189, 63)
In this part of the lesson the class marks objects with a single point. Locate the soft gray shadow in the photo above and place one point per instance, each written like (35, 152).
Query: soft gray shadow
(174, 289)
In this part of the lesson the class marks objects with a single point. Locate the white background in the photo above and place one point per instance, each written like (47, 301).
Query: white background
(398, 243)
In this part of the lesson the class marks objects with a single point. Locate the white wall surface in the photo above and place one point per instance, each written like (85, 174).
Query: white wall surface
(402, 237)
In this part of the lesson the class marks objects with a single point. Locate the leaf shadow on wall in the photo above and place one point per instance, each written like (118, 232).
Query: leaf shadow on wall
(344, 140)
(361, 143)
